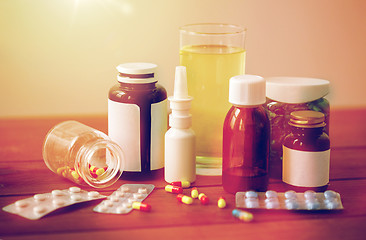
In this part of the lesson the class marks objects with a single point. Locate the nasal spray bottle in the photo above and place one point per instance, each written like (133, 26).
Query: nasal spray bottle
(180, 139)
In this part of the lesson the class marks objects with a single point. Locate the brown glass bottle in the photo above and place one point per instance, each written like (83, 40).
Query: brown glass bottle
(306, 152)
(246, 136)
(137, 119)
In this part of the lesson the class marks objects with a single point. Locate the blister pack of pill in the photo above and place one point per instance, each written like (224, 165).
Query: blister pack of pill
(290, 200)
(121, 201)
(42, 204)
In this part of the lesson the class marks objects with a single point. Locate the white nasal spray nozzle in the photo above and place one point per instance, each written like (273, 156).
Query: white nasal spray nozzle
(180, 102)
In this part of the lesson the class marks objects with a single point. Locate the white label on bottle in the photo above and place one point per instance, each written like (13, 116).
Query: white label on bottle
(124, 129)
(159, 126)
(305, 169)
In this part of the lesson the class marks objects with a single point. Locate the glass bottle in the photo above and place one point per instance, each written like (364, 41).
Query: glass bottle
(137, 118)
(82, 154)
(246, 136)
(286, 95)
(306, 152)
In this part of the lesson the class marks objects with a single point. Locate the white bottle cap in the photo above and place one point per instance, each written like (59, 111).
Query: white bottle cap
(138, 72)
(296, 89)
(247, 90)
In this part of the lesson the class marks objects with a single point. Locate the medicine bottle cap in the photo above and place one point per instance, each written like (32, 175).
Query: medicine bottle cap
(296, 89)
(307, 119)
(138, 72)
(247, 90)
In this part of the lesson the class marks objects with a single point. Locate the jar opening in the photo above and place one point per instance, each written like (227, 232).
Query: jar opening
(100, 163)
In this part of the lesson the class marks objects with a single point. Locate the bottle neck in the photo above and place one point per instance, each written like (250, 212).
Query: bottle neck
(299, 131)
(99, 162)
(138, 86)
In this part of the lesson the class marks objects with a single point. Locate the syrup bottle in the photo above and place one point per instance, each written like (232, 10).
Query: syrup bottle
(246, 136)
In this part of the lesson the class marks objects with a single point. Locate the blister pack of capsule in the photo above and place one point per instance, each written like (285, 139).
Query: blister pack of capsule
(290, 200)
(121, 200)
(42, 204)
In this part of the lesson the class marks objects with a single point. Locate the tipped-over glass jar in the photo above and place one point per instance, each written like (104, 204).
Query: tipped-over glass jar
(83, 155)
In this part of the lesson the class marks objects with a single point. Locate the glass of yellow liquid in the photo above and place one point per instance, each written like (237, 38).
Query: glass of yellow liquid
(212, 53)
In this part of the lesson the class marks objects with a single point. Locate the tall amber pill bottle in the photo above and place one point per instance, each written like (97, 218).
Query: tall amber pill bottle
(137, 118)
(306, 152)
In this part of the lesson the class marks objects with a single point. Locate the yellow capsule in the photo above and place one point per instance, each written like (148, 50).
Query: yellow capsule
(183, 184)
(194, 193)
(93, 168)
(100, 171)
(221, 203)
(75, 175)
(184, 199)
(173, 189)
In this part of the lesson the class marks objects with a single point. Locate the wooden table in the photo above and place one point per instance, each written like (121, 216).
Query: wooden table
(23, 174)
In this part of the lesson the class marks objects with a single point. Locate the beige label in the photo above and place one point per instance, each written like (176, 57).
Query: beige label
(305, 169)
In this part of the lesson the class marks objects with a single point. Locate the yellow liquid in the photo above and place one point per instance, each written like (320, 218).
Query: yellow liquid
(209, 69)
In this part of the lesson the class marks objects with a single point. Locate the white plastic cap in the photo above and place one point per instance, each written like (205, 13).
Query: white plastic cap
(247, 90)
(296, 89)
(137, 72)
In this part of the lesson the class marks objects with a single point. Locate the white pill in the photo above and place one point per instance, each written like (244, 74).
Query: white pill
(39, 197)
(291, 204)
(39, 209)
(108, 203)
(249, 203)
(272, 204)
(21, 203)
(58, 202)
(76, 197)
(138, 195)
(125, 189)
(114, 198)
(121, 209)
(330, 194)
(331, 204)
(74, 189)
(142, 190)
(93, 194)
(120, 194)
(312, 205)
(127, 205)
(57, 193)
(309, 194)
(131, 200)
(271, 194)
(102, 208)
(290, 194)
(251, 194)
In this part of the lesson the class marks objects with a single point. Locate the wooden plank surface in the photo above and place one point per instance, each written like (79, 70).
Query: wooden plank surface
(23, 174)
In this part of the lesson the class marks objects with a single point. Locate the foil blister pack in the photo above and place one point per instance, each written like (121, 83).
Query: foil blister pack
(42, 204)
(121, 200)
(290, 200)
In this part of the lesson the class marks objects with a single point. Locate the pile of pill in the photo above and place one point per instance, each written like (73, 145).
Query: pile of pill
(290, 200)
(126, 198)
(41, 204)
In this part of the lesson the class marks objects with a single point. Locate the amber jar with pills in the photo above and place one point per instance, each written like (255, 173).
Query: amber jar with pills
(306, 152)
